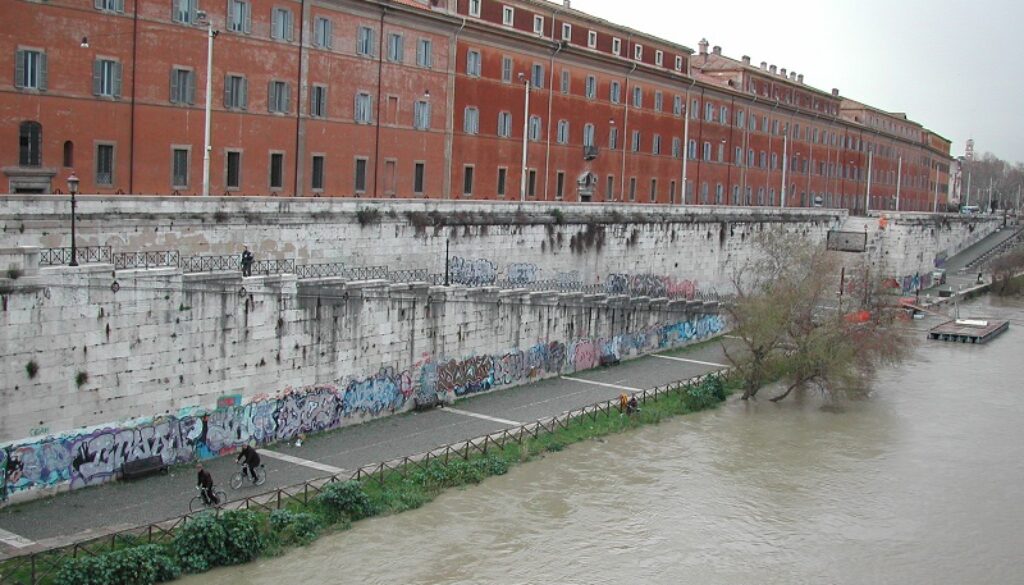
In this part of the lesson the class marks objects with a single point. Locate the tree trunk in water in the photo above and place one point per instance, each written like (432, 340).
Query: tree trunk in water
(786, 393)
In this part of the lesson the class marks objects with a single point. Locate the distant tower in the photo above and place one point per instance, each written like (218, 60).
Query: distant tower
(969, 152)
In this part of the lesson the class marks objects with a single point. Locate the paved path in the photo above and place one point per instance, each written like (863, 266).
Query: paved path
(957, 275)
(95, 511)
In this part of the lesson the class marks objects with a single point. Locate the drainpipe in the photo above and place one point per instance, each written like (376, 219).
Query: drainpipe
(551, 100)
(300, 153)
(449, 119)
(686, 139)
(768, 175)
(746, 145)
(131, 117)
(626, 145)
(380, 79)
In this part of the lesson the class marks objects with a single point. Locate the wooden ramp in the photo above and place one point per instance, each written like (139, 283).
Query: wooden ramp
(968, 330)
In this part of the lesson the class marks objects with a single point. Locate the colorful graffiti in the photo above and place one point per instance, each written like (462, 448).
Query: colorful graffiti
(472, 271)
(650, 285)
(94, 456)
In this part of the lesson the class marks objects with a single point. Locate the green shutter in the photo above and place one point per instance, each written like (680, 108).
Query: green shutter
(247, 18)
(19, 69)
(175, 95)
(97, 76)
(286, 107)
(117, 79)
(244, 101)
(42, 72)
(227, 91)
(191, 87)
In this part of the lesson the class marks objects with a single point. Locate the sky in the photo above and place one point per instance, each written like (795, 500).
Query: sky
(953, 66)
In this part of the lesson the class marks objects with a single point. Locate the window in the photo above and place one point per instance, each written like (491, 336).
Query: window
(502, 179)
(565, 81)
(588, 135)
(106, 78)
(425, 53)
(691, 150)
(471, 121)
(508, 15)
(417, 178)
(179, 167)
(233, 170)
(560, 185)
(591, 87)
(535, 128)
(615, 92)
(613, 138)
(184, 11)
(318, 172)
(654, 190)
(679, 63)
(467, 180)
(109, 5)
(278, 97)
(30, 144)
(707, 151)
(504, 124)
(421, 115)
(105, 164)
(474, 8)
(281, 24)
(537, 76)
(506, 69)
(563, 132)
(704, 193)
(721, 151)
(364, 109)
(632, 188)
(396, 48)
(694, 109)
(723, 115)
(616, 46)
(364, 41)
(318, 102)
(322, 36)
(750, 157)
(638, 97)
(531, 183)
(677, 148)
(659, 58)
(677, 105)
(610, 188)
(473, 63)
(359, 179)
(636, 141)
(592, 39)
(638, 52)
(566, 31)
(538, 25)
(719, 193)
(30, 70)
(276, 170)
(656, 145)
(737, 157)
(239, 17)
(69, 153)
(709, 112)
(183, 86)
(235, 92)
(659, 101)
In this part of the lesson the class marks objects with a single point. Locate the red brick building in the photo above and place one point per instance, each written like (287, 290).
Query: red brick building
(426, 98)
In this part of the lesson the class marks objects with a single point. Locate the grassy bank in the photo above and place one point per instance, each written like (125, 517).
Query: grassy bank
(232, 537)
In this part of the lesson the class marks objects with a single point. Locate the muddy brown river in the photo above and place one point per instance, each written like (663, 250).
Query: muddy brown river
(920, 483)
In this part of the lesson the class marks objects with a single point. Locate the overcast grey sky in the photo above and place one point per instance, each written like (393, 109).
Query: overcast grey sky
(952, 65)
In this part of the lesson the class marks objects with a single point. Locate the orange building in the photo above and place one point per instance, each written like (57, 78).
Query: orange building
(427, 98)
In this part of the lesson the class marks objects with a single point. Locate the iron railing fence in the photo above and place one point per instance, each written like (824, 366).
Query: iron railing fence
(153, 259)
(85, 254)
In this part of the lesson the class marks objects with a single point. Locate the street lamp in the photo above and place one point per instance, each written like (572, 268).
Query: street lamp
(685, 151)
(526, 132)
(207, 147)
(73, 189)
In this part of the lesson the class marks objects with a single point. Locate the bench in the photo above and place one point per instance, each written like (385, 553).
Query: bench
(143, 467)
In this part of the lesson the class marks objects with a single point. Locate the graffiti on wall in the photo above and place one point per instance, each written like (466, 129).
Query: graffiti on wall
(650, 285)
(94, 456)
(472, 271)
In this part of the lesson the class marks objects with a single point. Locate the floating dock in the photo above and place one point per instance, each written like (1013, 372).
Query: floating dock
(968, 330)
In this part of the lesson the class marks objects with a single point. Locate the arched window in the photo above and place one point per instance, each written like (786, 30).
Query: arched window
(30, 144)
(69, 153)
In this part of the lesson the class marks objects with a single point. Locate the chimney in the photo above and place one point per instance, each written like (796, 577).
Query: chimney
(792, 75)
(800, 79)
(782, 72)
(702, 46)
(771, 69)
(746, 59)
(567, 4)
(835, 92)
(764, 66)
(717, 50)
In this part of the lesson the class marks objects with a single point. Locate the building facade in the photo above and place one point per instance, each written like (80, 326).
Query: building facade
(440, 99)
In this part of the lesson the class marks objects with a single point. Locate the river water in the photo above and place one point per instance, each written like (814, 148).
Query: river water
(918, 484)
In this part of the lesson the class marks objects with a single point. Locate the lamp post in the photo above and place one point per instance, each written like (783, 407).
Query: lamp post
(73, 189)
(526, 133)
(899, 180)
(207, 147)
(867, 191)
(785, 166)
(685, 151)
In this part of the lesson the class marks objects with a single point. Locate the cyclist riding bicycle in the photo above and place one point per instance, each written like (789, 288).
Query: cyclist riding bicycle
(252, 460)
(205, 485)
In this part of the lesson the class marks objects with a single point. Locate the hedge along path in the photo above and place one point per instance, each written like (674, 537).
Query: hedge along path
(40, 567)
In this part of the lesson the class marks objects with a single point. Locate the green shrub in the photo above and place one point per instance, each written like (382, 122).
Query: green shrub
(295, 527)
(345, 498)
(141, 565)
(243, 531)
(199, 544)
(708, 393)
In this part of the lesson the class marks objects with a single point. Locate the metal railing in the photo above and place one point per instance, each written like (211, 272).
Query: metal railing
(37, 567)
(324, 270)
(85, 254)
(234, 262)
(159, 258)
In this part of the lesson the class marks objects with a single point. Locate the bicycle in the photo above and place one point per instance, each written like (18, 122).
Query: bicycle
(198, 503)
(240, 476)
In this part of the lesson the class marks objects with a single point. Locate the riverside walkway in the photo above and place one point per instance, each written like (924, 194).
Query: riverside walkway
(93, 512)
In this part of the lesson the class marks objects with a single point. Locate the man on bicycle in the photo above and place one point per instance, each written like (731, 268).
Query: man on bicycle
(252, 460)
(205, 484)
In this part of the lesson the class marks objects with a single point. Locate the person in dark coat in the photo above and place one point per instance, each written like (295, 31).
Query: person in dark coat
(247, 259)
(205, 484)
(251, 458)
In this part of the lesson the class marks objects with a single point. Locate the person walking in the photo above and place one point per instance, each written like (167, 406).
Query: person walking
(205, 484)
(247, 259)
(251, 458)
